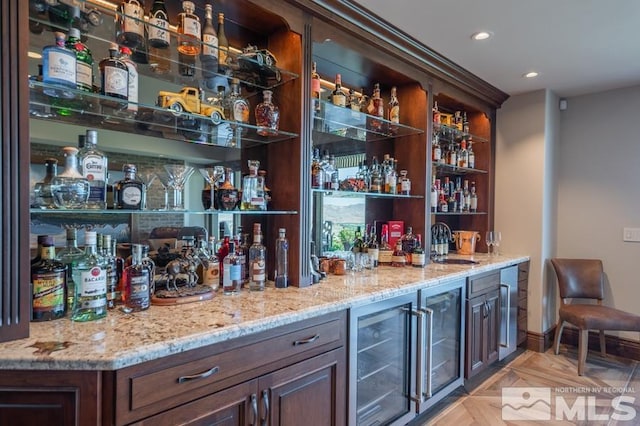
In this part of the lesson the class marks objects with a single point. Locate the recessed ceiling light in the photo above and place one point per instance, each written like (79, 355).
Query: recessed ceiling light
(531, 74)
(34, 55)
(481, 35)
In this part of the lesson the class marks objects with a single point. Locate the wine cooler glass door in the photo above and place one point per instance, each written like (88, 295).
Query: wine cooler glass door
(382, 365)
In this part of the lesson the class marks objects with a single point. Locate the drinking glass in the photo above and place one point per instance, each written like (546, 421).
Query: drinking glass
(212, 175)
(165, 181)
(179, 175)
(489, 239)
(497, 237)
(147, 177)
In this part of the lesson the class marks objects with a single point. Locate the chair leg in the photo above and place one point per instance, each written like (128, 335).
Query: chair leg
(603, 344)
(583, 345)
(556, 340)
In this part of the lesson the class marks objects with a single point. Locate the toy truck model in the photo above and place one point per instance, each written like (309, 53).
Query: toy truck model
(191, 100)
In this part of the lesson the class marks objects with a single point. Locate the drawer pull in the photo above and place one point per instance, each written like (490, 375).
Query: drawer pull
(265, 402)
(202, 375)
(254, 409)
(305, 341)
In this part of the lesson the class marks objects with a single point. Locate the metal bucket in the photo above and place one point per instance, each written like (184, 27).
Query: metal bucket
(466, 241)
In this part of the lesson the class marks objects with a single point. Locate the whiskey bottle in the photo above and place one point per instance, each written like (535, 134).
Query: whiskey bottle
(394, 111)
(90, 278)
(473, 202)
(257, 261)
(281, 274)
(130, 23)
(409, 242)
(237, 107)
(267, 191)
(357, 247)
(69, 256)
(316, 170)
(43, 198)
(338, 96)
(399, 257)
(232, 272)
(373, 248)
(209, 56)
(159, 38)
(405, 183)
(223, 45)
(316, 89)
(136, 294)
(211, 268)
(59, 69)
(84, 60)
(467, 196)
(127, 193)
(70, 189)
(188, 30)
(267, 115)
(472, 155)
(391, 178)
(376, 108)
(114, 80)
(463, 155)
(49, 285)
(253, 189)
(385, 252)
(227, 193)
(93, 165)
(436, 113)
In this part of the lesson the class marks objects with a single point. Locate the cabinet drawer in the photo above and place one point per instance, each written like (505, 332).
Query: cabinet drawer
(480, 284)
(523, 271)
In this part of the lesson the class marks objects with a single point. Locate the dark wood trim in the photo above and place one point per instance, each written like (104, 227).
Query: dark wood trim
(540, 342)
(615, 345)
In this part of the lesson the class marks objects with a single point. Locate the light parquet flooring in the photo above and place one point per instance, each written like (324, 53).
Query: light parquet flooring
(570, 399)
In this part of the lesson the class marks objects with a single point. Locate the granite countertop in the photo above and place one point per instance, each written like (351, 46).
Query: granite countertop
(121, 340)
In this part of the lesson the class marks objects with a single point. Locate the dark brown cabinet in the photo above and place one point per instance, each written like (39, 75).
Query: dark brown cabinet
(483, 322)
(523, 288)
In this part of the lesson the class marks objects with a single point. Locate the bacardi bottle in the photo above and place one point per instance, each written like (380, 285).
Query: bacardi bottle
(90, 278)
(69, 256)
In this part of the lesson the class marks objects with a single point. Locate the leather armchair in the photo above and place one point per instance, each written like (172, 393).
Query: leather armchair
(583, 279)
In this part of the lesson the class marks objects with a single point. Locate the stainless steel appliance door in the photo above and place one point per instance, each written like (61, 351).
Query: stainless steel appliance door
(508, 310)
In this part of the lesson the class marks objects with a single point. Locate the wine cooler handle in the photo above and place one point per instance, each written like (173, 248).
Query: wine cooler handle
(420, 355)
(305, 341)
(254, 409)
(505, 344)
(429, 365)
(265, 403)
(202, 375)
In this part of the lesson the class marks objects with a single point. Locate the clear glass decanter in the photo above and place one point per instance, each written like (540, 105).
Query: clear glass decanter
(267, 115)
(70, 189)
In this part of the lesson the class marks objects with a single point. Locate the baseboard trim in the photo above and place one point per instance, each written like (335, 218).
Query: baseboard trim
(615, 345)
(540, 342)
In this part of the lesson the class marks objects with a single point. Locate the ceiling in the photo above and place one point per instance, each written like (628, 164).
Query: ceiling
(576, 46)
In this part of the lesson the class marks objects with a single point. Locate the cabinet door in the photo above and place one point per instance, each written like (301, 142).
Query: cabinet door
(475, 336)
(310, 393)
(492, 319)
(235, 406)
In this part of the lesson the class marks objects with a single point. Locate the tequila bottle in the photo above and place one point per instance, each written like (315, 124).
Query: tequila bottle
(267, 115)
(136, 294)
(257, 261)
(69, 256)
(189, 32)
(59, 69)
(42, 190)
(70, 189)
(127, 193)
(49, 285)
(93, 165)
(90, 278)
(130, 23)
(281, 275)
(227, 193)
(253, 189)
(84, 60)
(209, 56)
(159, 38)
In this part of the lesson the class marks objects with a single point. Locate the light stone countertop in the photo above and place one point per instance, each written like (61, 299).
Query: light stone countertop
(121, 340)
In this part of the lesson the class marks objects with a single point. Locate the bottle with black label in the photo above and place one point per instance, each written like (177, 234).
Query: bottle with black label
(49, 285)
(127, 193)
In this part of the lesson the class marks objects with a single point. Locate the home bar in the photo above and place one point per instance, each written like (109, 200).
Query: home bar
(275, 212)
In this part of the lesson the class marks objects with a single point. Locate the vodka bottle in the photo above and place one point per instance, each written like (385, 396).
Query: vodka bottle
(90, 278)
(93, 166)
(59, 69)
(281, 275)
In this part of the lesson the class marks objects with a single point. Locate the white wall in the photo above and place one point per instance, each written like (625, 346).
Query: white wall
(599, 188)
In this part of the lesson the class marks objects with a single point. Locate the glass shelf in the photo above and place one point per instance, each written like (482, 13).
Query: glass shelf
(459, 213)
(244, 66)
(344, 123)
(453, 134)
(160, 212)
(455, 170)
(88, 109)
(346, 194)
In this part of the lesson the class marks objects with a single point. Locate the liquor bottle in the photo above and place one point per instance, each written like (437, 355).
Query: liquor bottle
(114, 79)
(409, 242)
(253, 189)
(385, 252)
(338, 96)
(452, 155)
(93, 166)
(376, 177)
(472, 155)
(316, 170)
(373, 248)
(69, 256)
(159, 38)
(433, 200)
(376, 108)
(267, 191)
(130, 23)
(223, 45)
(399, 257)
(418, 257)
(43, 198)
(257, 261)
(473, 201)
(443, 206)
(148, 263)
(405, 183)
(465, 123)
(357, 247)
(222, 252)
(236, 106)
(59, 69)
(267, 115)
(49, 285)
(316, 89)
(227, 193)
(436, 113)
(281, 274)
(451, 199)
(136, 294)
(467, 196)
(127, 192)
(70, 189)
(211, 269)
(41, 239)
(436, 152)
(463, 155)
(232, 271)
(188, 30)
(209, 55)
(90, 278)
(132, 82)
(84, 60)
(391, 178)
(242, 251)
(112, 271)
(394, 111)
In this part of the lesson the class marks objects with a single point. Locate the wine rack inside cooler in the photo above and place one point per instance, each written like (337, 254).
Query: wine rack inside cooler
(382, 365)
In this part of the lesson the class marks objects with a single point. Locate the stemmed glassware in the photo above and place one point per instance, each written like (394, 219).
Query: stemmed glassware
(493, 238)
(165, 181)
(147, 177)
(179, 175)
(489, 239)
(212, 175)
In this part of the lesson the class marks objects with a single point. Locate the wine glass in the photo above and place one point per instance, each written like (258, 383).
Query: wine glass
(497, 237)
(489, 239)
(147, 177)
(165, 181)
(212, 175)
(179, 174)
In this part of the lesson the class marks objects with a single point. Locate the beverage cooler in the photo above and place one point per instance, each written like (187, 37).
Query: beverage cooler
(405, 354)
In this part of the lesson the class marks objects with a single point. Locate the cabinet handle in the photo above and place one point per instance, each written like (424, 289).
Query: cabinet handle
(429, 365)
(202, 375)
(305, 341)
(265, 403)
(254, 409)
(507, 312)
(420, 361)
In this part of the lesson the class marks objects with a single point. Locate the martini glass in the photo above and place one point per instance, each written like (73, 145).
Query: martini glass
(212, 175)
(165, 181)
(179, 174)
(147, 177)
